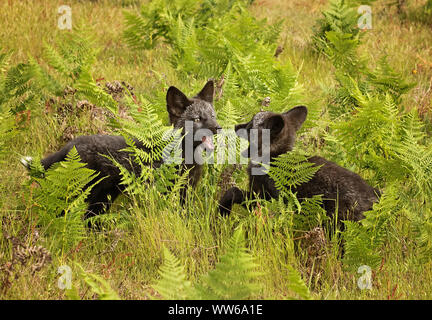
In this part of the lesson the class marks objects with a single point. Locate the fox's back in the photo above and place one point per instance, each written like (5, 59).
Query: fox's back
(340, 188)
(96, 151)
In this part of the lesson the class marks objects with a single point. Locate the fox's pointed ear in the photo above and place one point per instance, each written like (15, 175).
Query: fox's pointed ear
(177, 103)
(275, 123)
(296, 116)
(207, 92)
(241, 126)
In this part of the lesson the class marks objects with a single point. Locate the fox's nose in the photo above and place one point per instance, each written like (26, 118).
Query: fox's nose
(215, 128)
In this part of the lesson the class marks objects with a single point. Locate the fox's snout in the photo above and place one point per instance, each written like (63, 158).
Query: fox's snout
(215, 128)
(212, 125)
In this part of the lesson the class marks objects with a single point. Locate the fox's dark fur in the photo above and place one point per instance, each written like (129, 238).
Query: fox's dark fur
(93, 149)
(336, 184)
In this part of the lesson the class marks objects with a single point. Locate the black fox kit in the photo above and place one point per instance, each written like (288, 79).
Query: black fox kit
(353, 194)
(198, 110)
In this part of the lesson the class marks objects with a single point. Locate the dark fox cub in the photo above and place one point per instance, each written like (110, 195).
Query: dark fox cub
(352, 194)
(92, 149)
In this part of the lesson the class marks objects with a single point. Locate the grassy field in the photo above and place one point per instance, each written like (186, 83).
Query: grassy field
(128, 257)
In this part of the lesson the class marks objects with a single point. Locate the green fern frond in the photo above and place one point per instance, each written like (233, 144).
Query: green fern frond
(386, 80)
(169, 181)
(173, 284)
(358, 249)
(56, 61)
(137, 34)
(342, 51)
(88, 88)
(297, 285)
(366, 136)
(147, 139)
(7, 131)
(61, 199)
(285, 89)
(234, 276)
(416, 159)
(228, 116)
(4, 60)
(291, 169)
(363, 241)
(98, 285)
(135, 182)
(341, 18)
(17, 80)
(72, 54)
(147, 128)
(46, 83)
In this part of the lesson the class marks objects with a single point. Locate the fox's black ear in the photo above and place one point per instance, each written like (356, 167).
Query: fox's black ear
(275, 123)
(177, 103)
(297, 116)
(207, 92)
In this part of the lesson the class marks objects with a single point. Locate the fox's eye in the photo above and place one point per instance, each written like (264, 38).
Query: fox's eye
(197, 119)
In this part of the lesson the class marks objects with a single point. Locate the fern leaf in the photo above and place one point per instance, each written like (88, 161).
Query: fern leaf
(61, 199)
(297, 285)
(234, 277)
(290, 170)
(94, 93)
(98, 285)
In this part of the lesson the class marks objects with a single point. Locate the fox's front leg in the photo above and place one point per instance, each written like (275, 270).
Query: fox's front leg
(231, 196)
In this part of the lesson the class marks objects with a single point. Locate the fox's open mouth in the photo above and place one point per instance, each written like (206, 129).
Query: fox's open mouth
(208, 142)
